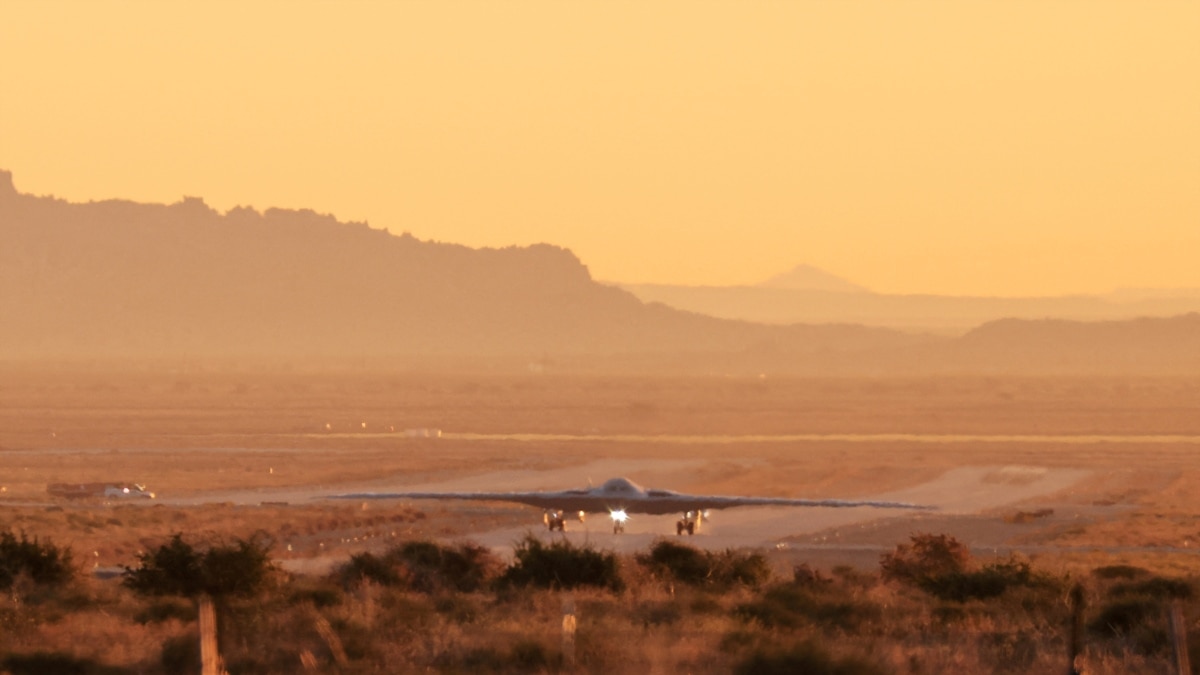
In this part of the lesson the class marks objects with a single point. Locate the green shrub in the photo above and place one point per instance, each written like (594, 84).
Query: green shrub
(731, 567)
(1119, 572)
(44, 563)
(940, 565)
(464, 567)
(1124, 616)
(677, 562)
(561, 565)
(424, 566)
(928, 556)
(178, 568)
(368, 567)
(687, 565)
(1157, 587)
(989, 582)
(1136, 622)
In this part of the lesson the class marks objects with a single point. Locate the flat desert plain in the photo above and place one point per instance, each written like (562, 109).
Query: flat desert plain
(1069, 471)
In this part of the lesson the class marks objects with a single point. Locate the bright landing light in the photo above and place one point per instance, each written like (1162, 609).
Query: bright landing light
(619, 515)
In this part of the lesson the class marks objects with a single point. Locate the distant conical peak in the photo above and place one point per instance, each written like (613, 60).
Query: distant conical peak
(809, 278)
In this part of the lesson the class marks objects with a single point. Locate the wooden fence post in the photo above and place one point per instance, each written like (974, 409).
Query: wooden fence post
(1183, 663)
(568, 633)
(1075, 644)
(210, 656)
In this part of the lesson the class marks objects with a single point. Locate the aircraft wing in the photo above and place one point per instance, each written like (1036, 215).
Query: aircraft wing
(679, 503)
(568, 500)
(583, 500)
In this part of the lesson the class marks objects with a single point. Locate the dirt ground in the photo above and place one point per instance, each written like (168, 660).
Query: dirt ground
(1071, 470)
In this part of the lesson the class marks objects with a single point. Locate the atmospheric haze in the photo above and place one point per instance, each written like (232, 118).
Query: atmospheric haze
(989, 149)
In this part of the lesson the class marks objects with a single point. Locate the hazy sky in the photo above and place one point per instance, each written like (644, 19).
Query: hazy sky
(1012, 147)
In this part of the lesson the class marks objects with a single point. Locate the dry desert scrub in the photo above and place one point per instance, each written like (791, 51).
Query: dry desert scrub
(845, 621)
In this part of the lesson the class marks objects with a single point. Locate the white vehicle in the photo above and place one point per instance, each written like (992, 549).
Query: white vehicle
(105, 490)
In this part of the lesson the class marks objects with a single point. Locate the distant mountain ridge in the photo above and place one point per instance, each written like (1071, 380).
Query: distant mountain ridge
(118, 280)
(804, 298)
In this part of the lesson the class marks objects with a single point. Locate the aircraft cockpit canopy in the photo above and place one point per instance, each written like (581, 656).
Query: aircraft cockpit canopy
(620, 486)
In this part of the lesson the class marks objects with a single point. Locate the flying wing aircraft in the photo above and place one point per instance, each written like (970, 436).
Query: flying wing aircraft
(620, 497)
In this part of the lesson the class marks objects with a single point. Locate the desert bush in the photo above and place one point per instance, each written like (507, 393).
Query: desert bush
(1136, 622)
(178, 568)
(687, 565)
(731, 567)
(43, 563)
(807, 658)
(1119, 572)
(423, 566)
(464, 567)
(367, 567)
(988, 582)
(941, 566)
(561, 565)
(1159, 588)
(927, 557)
(678, 562)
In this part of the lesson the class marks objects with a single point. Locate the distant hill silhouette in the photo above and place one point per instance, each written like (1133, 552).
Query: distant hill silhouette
(1161, 346)
(117, 280)
(809, 278)
(789, 300)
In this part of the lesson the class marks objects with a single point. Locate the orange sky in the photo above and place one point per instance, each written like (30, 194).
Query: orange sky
(999, 148)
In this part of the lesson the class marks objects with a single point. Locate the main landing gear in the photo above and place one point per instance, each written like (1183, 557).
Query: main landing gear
(555, 520)
(690, 522)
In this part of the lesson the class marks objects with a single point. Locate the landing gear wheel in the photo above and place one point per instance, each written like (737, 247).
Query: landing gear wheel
(679, 527)
(691, 528)
(618, 527)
